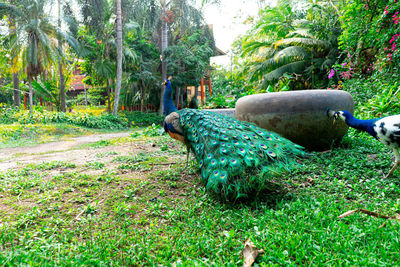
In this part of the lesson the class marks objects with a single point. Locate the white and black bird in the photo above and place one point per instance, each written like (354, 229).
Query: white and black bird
(386, 130)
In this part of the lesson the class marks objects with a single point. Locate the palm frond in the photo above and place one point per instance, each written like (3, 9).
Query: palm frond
(304, 42)
(295, 67)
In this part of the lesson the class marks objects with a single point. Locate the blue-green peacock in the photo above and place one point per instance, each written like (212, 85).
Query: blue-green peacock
(236, 159)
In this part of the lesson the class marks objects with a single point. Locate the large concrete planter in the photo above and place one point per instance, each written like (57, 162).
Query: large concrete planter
(299, 116)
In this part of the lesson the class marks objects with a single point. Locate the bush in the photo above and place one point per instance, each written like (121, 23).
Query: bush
(10, 115)
(138, 118)
(375, 96)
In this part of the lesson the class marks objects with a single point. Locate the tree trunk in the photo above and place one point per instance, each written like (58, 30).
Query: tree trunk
(30, 96)
(119, 57)
(142, 92)
(164, 45)
(60, 70)
(108, 95)
(17, 95)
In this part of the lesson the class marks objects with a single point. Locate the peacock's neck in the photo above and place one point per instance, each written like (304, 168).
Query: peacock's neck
(167, 100)
(363, 125)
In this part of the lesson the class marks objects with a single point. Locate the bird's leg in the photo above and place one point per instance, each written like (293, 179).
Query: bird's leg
(396, 163)
(187, 155)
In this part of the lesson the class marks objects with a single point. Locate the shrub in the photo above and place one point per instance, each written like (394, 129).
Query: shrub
(103, 121)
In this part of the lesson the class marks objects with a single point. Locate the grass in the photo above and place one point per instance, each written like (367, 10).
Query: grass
(15, 135)
(154, 211)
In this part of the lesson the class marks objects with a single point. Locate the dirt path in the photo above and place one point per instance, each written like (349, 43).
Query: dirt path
(69, 150)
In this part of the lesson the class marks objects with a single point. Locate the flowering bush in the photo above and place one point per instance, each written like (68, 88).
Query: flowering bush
(373, 39)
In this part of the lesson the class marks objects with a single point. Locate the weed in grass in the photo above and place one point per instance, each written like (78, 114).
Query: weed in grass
(98, 144)
(95, 165)
(52, 165)
(106, 154)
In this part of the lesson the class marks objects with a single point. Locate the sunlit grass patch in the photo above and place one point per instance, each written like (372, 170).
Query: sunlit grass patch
(29, 134)
(52, 165)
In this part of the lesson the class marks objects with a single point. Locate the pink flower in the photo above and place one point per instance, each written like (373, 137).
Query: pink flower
(393, 46)
(331, 73)
(344, 64)
(386, 10)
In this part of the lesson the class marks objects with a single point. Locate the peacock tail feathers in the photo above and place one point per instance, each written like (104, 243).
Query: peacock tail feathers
(236, 158)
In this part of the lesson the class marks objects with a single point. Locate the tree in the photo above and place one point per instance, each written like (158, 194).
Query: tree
(10, 11)
(32, 40)
(60, 68)
(165, 17)
(119, 57)
(292, 45)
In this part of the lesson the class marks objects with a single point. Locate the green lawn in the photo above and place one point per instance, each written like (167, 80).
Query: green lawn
(148, 208)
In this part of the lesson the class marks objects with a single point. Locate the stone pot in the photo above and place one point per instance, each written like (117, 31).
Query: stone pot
(300, 116)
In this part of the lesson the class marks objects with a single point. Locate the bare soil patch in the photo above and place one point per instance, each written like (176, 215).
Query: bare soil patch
(69, 150)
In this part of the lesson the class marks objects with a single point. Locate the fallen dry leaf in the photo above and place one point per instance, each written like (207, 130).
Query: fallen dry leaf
(350, 212)
(250, 253)
(372, 213)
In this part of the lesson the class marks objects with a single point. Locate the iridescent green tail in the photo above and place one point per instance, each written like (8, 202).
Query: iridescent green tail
(237, 159)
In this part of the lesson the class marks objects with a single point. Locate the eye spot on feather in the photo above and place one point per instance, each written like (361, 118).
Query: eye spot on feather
(223, 175)
(263, 146)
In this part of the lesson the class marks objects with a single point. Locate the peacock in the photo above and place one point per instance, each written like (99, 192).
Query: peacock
(236, 158)
(386, 130)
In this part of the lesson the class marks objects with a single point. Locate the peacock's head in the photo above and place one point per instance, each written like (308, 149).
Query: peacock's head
(168, 80)
(341, 114)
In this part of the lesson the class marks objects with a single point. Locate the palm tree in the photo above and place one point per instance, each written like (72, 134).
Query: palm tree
(285, 42)
(119, 57)
(33, 40)
(9, 10)
(60, 67)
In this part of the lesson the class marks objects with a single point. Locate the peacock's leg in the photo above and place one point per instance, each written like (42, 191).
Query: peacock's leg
(396, 163)
(187, 155)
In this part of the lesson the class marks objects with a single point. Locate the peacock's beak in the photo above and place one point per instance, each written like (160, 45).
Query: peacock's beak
(331, 113)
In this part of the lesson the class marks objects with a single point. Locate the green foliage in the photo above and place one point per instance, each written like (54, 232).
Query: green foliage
(226, 89)
(150, 131)
(368, 42)
(15, 134)
(48, 91)
(144, 208)
(375, 96)
(301, 43)
(138, 118)
(103, 121)
(188, 59)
